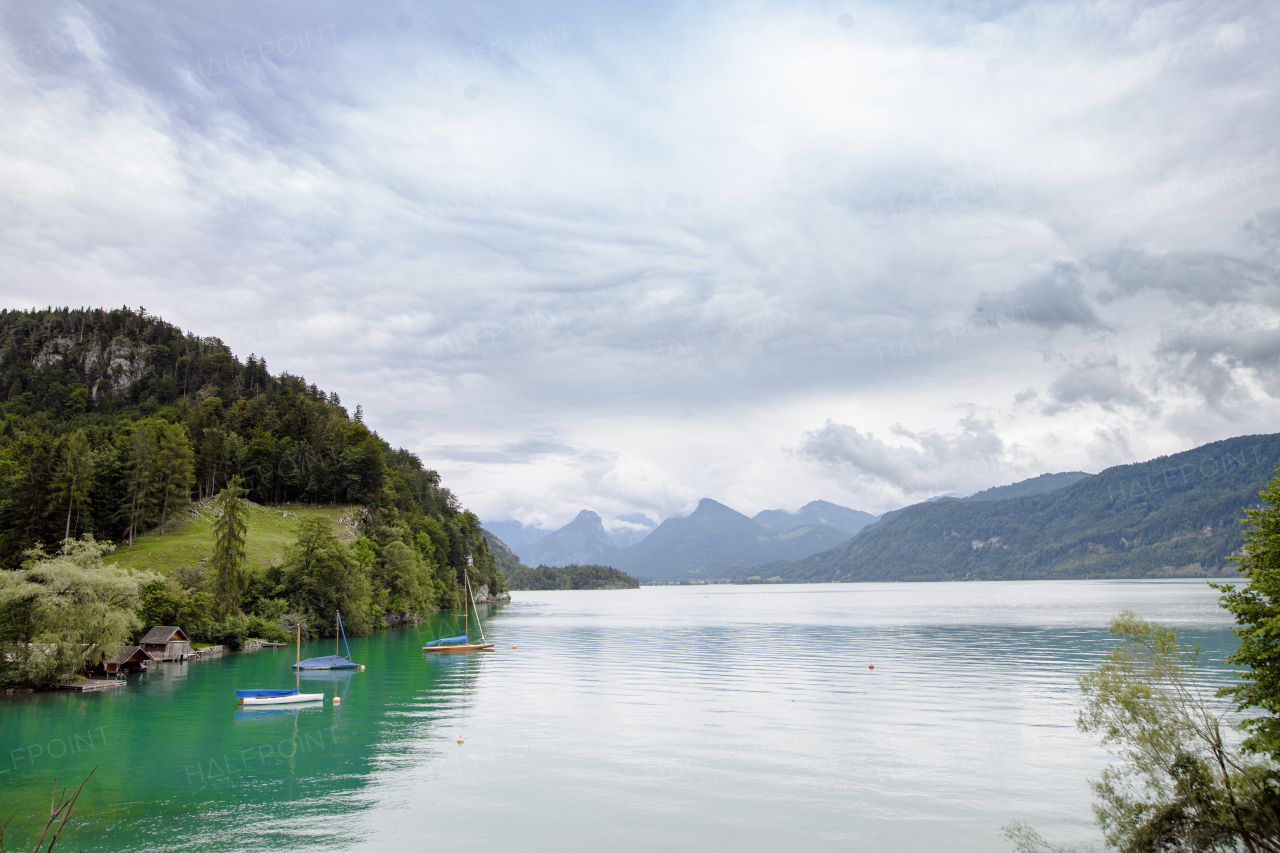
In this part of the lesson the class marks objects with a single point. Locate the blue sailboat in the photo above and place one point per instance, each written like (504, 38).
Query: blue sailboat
(279, 697)
(462, 643)
(335, 660)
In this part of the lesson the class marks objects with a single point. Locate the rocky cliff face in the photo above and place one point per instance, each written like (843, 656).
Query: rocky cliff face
(111, 354)
(121, 362)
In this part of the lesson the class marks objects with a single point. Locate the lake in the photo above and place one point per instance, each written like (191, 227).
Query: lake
(709, 718)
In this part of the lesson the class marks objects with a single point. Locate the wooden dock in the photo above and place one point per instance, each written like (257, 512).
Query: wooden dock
(92, 684)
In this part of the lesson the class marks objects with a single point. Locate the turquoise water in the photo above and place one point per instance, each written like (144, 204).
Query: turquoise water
(707, 718)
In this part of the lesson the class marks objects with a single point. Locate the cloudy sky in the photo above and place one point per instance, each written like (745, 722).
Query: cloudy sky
(623, 257)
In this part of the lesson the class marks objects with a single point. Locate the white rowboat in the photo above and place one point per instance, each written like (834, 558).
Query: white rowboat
(283, 700)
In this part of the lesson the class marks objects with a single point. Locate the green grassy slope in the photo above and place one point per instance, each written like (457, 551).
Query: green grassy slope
(270, 532)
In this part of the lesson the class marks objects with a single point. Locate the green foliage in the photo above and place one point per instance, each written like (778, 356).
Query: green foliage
(322, 576)
(1128, 521)
(1256, 607)
(168, 602)
(174, 472)
(65, 611)
(406, 580)
(142, 471)
(72, 483)
(229, 530)
(1182, 784)
(571, 577)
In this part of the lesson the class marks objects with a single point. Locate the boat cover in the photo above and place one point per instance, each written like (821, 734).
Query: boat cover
(327, 662)
(449, 641)
(264, 694)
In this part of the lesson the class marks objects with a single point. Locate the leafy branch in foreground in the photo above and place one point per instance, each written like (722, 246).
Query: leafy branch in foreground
(1182, 786)
(59, 807)
(1256, 607)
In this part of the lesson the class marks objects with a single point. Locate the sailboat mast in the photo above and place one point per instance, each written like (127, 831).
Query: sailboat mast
(466, 612)
(479, 624)
(337, 620)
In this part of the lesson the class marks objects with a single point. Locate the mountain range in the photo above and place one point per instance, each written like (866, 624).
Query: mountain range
(1174, 515)
(714, 541)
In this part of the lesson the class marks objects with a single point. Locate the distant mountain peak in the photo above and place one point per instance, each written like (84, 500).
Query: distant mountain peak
(582, 541)
(841, 518)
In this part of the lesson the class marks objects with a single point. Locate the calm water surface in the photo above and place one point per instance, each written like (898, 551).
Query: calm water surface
(678, 718)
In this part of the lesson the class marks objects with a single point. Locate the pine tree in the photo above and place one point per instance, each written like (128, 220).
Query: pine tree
(229, 531)
(175, 471)
(142, 469)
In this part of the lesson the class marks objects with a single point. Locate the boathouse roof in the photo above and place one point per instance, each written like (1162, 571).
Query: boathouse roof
(127, 652)
(163, 634)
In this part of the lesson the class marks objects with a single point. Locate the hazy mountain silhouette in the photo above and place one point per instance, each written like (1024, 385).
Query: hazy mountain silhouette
(815, 512)
(582, 541)
(714, 538)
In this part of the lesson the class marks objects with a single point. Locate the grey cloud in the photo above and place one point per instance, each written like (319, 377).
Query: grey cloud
(1103, 383)
(1051, 300)
(940, 460)
(514, 453)
(1025, 395)
(1219, 366)
(1210, 278)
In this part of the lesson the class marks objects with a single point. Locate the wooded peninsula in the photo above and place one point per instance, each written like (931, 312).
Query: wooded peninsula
(118, 429)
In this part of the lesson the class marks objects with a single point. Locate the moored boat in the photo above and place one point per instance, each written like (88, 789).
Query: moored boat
(462, 643)
(335, 660)
(276, 697)
(254, 697)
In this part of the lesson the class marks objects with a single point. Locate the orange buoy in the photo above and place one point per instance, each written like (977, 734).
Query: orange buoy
(513, 648)
(459, 741)
(337, 700)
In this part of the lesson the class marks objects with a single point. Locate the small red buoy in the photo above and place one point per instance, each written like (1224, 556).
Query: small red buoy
(871, 666)
(513, 648)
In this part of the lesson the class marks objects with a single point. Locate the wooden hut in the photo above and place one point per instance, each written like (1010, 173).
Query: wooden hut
(167, 642)
(128, 659)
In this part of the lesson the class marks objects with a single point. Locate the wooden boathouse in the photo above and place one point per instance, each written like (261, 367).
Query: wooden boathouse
(166, 643)
(128, 659)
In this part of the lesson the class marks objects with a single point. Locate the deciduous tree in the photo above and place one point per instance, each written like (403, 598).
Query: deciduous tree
(1183, 784)
(62, 612)
(1257, 610)
(73, 481)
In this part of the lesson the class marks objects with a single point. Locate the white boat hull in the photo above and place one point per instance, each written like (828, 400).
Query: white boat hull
(283, 700)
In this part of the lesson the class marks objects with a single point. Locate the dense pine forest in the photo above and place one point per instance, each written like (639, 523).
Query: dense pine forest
(112, 422)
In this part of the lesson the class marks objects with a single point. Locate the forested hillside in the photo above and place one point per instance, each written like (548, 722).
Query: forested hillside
(1034, 486)
(1177, 514)
(113, 421)
(571, 577)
